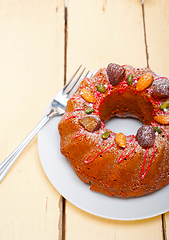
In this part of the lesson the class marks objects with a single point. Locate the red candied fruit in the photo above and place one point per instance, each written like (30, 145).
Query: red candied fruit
(145, 136)
(115, 73)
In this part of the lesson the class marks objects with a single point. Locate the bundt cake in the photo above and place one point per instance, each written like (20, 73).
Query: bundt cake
(115, 164)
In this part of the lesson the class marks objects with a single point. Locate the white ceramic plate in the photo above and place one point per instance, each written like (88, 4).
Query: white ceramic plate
(63, 178)
(65, 181)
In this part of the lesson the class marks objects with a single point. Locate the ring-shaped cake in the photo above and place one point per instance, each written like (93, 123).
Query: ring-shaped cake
(115, 164)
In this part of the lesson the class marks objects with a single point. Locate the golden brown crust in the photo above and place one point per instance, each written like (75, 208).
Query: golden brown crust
(123, 172)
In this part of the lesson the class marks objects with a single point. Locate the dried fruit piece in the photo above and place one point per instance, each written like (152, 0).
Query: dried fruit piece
(87, 95)
(164, 105)
(145, 136)
(161, 88)
(162, 119)
(157, 129)
(89, 110)
(105, 135)
(101, 88)
(120, 139)
(115, 73)
(91, 123)
(144, 82)
(130, 79)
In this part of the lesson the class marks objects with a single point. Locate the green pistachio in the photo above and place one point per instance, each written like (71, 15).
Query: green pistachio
(101, 88)
(164, 105)
(89, 110)
(130, 79)
(157, 129)
(105, 135)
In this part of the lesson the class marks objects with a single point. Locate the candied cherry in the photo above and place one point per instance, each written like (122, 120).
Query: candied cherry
(161, 88)
(145, 136)
(115, 73)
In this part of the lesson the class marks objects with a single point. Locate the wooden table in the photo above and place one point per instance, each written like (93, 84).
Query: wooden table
(39, 51)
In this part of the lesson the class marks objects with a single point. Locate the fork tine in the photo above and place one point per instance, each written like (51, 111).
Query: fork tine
(76, 86)
(64, 88)
(86, 74)
(69, 90)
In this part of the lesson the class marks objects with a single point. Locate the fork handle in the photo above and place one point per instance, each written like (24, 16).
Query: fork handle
(8, 162)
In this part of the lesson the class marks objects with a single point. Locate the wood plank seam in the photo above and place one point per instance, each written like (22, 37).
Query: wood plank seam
(61, 226)
(145, 36)
(65, 46)
(164, 230)
(65, 79)
(62, 202)
(63, 219)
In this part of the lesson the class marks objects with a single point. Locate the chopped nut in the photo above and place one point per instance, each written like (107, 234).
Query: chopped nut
(87, 95)
(164, 105)
(89, 110)
(105, 135)
(101, 88)
(120, 139)
(162, 119)
(157, 129)
(144, 82)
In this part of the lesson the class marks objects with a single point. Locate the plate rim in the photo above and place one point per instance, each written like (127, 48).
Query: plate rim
(157, 194)
(75, 202)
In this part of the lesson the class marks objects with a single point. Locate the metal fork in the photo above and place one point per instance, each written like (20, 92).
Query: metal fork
(57, 108)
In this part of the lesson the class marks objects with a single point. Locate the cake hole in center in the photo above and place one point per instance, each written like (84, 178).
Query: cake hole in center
(127, 125)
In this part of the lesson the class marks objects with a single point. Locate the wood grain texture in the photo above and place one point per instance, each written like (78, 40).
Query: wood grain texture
(31, 72)
(81, 225)
(107, 31)
(157, 34)
(166, 225)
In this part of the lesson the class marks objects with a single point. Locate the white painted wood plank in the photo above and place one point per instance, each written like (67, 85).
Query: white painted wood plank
(100, 32)
(31, 72)
(81, 225)
(157, 33)
(107, 31)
